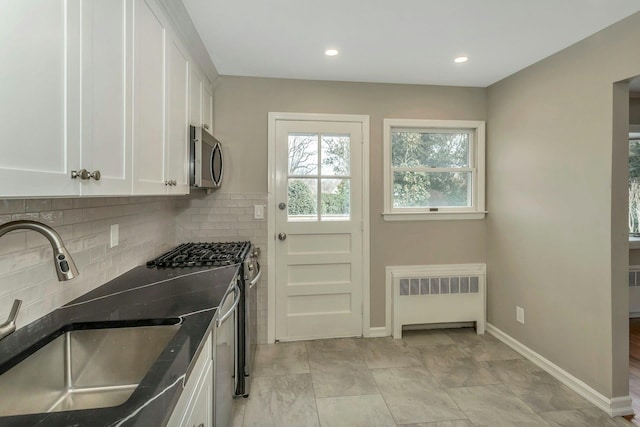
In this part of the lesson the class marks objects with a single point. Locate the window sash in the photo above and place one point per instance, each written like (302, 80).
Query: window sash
(475, 167)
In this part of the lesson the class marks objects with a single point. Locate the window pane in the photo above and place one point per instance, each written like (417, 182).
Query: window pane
(438, 149)
(302, 198)
(303, 154)
(335, 199)
(335, 154)
(634, 186)
(431, 189)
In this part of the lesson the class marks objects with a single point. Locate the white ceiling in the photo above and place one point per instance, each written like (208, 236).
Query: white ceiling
(395, 41)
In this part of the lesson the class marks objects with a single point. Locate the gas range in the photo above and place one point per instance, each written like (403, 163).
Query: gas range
(221, 254)
(215, 254)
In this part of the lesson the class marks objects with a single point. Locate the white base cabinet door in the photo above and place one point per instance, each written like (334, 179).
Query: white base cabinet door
(195, 406)
(201, 413)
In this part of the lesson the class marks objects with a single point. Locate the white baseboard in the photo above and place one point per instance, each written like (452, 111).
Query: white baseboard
(634, 314)
(616, 406)
(378, 332)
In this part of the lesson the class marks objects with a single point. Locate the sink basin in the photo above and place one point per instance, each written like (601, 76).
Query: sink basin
(83, 369)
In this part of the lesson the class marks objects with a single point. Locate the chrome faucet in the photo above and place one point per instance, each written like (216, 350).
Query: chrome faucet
(64, 265)
(9, 326)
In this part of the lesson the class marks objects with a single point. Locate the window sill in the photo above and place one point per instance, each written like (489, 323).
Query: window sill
(634, 242)
(431, 216)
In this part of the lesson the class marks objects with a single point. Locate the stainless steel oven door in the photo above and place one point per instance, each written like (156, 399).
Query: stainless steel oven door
(251, 338)
(225, 361)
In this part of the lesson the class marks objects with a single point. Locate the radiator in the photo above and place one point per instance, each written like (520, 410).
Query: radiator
(425, 294)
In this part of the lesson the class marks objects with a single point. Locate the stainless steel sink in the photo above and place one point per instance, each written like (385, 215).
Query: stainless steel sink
(83, 369)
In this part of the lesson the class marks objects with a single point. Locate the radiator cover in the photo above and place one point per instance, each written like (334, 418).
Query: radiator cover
(424, 294)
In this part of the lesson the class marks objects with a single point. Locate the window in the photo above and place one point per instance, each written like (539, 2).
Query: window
(634, 184)
(319, 177)
(433, 169)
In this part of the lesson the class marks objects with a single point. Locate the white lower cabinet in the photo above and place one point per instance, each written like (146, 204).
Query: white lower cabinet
(202, 409)
(195, 406)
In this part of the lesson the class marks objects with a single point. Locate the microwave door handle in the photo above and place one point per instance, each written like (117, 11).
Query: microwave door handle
(253, 282)
(236, 300)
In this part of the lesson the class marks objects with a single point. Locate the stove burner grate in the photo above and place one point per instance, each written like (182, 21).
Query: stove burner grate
(202, 255)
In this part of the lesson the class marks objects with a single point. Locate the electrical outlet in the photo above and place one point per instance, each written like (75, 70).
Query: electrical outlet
(520, 314)
(115, 234)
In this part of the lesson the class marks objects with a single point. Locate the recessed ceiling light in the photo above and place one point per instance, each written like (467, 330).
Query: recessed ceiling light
(461, 59)
(331, 52)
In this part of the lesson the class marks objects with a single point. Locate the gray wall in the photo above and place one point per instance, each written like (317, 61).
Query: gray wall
(240, 121)
(557, 197)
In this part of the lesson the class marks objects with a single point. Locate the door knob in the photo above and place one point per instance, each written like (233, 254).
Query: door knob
(282, 206)
(282, 236)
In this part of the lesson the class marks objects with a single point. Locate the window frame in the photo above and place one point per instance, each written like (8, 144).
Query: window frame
(476, 166)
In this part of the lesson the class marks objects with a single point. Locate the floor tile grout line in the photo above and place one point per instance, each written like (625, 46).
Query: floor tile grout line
(313, 387)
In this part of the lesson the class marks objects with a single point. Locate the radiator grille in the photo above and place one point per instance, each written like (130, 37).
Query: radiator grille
(440, 285)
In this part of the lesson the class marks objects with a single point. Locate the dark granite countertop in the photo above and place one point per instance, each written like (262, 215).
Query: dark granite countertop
(142, 296)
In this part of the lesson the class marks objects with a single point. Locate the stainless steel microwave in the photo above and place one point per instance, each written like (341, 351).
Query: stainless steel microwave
(206, 166)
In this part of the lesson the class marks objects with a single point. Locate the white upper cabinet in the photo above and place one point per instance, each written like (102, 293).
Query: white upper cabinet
(196, 96)
(177, 150)
(106, 85)
(160, 105)
(149, 67)
(39, 97)
(201, 101)
(207, 106)
(106, 89)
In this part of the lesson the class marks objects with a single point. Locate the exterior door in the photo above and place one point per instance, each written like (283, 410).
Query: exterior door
(318, 223)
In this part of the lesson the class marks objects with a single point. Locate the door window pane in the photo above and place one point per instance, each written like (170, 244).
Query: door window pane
(434, 149)
(302, 195)
(431, 189)
(335, 199)
(303, 154)
(335, 155)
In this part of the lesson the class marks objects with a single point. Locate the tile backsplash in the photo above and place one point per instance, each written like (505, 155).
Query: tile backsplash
(147, 228)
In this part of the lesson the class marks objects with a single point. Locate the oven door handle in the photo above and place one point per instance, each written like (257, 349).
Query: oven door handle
(253, 282)
(236, 300)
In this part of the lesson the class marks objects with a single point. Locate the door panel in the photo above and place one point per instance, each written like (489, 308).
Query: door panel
(318, 198)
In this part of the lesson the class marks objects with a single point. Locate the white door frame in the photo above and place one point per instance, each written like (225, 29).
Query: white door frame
(271, 223)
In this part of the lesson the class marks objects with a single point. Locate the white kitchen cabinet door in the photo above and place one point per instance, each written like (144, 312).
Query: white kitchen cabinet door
(149, 65)
(196, 96)
(106, 89)
(40, 92)
(177, 119)
(201, 413)
(207, 106)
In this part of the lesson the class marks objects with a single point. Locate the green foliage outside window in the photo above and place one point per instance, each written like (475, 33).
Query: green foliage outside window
(634, 186)
(429, 150)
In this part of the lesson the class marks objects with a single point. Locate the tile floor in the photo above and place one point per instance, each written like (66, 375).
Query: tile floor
(445, 378)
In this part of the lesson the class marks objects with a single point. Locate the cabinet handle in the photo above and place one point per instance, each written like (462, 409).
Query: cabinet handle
(84, 174)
